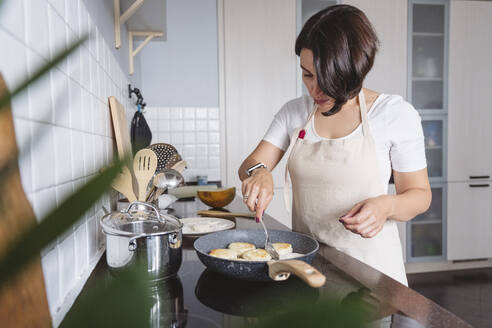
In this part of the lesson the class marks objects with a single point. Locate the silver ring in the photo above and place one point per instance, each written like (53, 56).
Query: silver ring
(245, 197)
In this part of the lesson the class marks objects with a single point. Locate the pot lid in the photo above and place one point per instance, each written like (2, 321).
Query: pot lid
(140, 219)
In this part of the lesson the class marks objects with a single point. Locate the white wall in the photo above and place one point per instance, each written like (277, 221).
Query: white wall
(259, 77)
(180, 86)
(389, 18)
(101, 12)
(182, 71)
(69, 106)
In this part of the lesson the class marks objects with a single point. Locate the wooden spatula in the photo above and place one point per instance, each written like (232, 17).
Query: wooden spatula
(123, 183)
(144, 165)
(221, 214)
(179, 166)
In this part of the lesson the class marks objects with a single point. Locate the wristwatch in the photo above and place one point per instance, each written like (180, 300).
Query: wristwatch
(254, 167)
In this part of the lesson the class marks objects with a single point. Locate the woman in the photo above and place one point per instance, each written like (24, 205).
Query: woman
(344, 141)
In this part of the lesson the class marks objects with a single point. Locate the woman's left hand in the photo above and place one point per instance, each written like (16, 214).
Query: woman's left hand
(367, 218)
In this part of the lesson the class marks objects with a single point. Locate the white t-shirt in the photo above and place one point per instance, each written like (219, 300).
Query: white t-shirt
(394, 123)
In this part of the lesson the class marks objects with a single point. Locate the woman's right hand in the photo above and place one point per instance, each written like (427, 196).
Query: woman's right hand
(258, 191)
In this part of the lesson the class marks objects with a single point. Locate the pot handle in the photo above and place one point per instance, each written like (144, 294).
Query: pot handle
(127, 211)
(132, 243)
(281, 270)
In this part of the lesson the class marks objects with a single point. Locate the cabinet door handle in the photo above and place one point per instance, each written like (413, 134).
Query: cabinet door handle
(479, 176)
(483, 185)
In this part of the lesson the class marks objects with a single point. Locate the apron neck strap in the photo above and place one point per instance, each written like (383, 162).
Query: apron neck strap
(363, 113)
(315, 108)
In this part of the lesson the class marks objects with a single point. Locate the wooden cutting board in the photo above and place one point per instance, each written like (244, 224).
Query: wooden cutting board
(120, 128)
(23, 301)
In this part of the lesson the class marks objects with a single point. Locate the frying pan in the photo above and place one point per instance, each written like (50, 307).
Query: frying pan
(262, 271)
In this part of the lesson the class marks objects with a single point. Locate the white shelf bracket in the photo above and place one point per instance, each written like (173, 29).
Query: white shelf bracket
(120, 19)
(133, 52)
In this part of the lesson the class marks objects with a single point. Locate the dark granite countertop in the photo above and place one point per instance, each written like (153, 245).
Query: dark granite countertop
(346, 276)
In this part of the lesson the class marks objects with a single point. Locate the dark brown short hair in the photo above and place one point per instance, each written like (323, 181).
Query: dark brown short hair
(344, 44)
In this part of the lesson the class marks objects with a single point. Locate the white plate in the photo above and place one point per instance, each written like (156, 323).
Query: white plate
(199, 226)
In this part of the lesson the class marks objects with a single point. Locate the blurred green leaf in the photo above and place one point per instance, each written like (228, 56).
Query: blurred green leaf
(118, 302)
(324, 313)
(58, 221)
(7, 96)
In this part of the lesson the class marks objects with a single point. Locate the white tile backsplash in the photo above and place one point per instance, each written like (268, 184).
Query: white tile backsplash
(59, 99)
(213, 113)
(77, 146)
(63, 126)
(201, 125)
(37, 31)
(176, 113)
(194, 131)
(81, 247)
(63, 154)
(189, 113)
(51, 266)
(72, 15)
(58, 35)
(43, 202)
(74, 62)
(91, 237)
(42, 156)
(67, 256)
(15, 56)
(12, 18)
(59, 7)
(23, 136)
(201, 113)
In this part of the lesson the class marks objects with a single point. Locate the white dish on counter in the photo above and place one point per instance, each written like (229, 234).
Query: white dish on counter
(199, 226)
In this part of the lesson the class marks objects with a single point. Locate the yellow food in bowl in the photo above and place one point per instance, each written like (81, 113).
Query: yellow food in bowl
(217, 198)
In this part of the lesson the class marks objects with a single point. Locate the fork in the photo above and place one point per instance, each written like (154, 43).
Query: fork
(268, 245)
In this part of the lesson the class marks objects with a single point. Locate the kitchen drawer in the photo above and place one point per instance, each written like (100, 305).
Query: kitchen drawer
(469, 220)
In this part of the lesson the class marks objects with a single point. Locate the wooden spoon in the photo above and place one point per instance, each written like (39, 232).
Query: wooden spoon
(144, 165)
(123, 184)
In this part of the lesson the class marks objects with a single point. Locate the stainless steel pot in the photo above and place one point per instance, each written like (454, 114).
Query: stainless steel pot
(145, 236)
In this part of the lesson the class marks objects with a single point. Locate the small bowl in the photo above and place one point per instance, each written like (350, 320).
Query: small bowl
(217, 198)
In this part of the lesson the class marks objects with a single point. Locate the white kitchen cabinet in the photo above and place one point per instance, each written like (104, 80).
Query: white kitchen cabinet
(427, 56)
(258, 74)
(469, 220)
(435, 133)
(426, 233)
(470, 85)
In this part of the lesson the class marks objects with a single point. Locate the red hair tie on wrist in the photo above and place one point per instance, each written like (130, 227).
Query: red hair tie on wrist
(302, 133)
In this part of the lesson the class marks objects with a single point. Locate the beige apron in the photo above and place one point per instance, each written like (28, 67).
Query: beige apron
(328, 178)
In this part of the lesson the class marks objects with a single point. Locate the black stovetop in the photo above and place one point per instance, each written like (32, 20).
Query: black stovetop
(197, 297)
